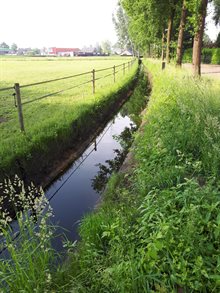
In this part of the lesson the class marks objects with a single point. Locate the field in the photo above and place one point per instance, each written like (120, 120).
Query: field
(45, 118)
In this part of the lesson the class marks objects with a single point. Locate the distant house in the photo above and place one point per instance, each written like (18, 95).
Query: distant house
(23, 51)
(63, 51)
(84, 54)
(4, 51)
(126, 53)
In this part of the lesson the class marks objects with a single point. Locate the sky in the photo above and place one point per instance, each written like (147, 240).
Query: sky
(211, 29)
(62, 23)
(58, 23)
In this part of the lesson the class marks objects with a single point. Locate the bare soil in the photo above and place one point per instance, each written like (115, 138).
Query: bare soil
(209, 70)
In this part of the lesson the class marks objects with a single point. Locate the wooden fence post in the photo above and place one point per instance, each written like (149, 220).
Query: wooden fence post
(114, 72)
(93, 81)
(95, 145)
(124, 69)
(19, 105)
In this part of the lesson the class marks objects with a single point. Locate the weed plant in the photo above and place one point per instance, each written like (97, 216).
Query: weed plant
(158, 228)
(26, 259)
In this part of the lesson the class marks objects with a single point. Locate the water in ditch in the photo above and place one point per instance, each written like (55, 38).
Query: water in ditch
(78, 191)
(74, 194)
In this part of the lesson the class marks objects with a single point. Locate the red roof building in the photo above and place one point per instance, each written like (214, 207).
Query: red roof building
(63, 51)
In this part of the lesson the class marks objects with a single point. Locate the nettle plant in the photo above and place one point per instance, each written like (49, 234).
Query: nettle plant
(25, 246)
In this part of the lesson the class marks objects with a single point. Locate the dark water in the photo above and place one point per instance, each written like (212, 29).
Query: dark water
(72, 196)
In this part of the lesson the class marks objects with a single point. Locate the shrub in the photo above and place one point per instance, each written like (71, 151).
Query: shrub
(216, 56)
(187, 56)
(209, 56)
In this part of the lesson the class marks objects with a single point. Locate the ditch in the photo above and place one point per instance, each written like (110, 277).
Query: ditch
(78, 190)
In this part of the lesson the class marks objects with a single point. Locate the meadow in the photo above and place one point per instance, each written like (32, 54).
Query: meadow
(158, 226)
(45, 119)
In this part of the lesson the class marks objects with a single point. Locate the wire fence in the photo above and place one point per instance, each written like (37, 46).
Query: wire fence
(22, 98)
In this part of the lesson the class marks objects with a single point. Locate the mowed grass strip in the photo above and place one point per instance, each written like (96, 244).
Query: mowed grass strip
(44, 118)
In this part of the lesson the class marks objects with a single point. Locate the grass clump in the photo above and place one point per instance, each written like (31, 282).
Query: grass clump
(158, 228)
(27, 259)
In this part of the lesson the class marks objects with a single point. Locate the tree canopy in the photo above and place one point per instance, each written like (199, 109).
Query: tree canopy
(120, 21)
(4, 45)
(216, 17)
(152, 22)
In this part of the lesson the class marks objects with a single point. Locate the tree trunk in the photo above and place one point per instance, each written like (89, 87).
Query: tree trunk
(163, 52)
(179, 53)
(197, 45)
(169, 32)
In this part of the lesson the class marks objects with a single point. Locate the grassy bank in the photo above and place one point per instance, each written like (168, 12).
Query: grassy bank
(54, 123)
(158, 229)
(31, 264)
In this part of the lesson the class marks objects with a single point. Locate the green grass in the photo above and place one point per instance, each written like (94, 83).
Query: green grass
(50, 118)
(158, 228)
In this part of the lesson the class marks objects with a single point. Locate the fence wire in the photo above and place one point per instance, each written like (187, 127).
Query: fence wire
(19, 99)
(125, 65)
(56, 93)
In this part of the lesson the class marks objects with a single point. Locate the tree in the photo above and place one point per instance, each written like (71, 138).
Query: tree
(147, 21)
(36, 51)
(172, 9)
(179, 52)
(216, 16)
(14, 47)
(153, 22)
(217, 42)
(98, 49)
(199, 21)
(4, 45)
(120, 21)
(106, 47)
(207, 42)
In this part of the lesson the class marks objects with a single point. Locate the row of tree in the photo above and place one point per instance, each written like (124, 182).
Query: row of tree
(13, 47)
(104, 48)
(165, 25)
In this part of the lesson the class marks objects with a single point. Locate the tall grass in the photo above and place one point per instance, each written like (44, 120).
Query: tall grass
(27, 263)
(158, 229)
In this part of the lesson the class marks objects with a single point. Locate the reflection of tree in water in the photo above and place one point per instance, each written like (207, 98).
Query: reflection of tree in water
(132, 109)
(125, 139)
(137, 101)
